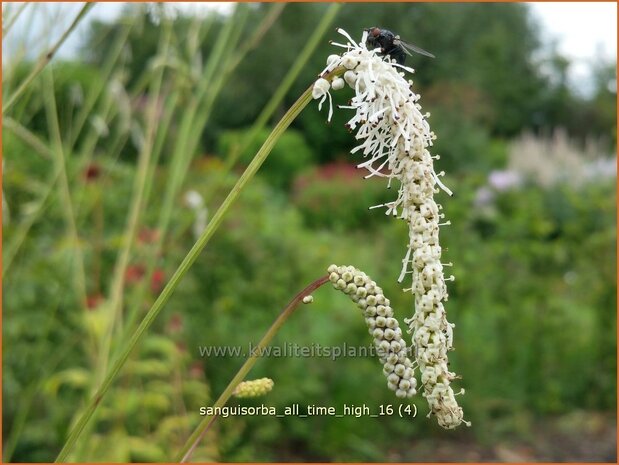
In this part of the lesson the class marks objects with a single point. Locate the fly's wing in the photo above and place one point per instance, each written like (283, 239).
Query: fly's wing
(408, 48)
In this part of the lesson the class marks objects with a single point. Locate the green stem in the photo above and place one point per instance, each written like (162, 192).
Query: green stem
(180, 272)
(28, 394)
(181, 164)
(20, 235)
(95, 91)
(87, 149)
(185, 454)
(275, 99)
(64, 189)
(294, 71)
(27, 136)
(45, 59)
(137, 202)
(193, 121)
(209, 422)
(185, 150)
(256, 38)
(162, 131)
(13, 19)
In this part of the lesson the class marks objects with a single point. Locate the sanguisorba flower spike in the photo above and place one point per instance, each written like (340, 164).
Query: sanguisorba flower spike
(382, 326)
(253, 388)
(394, 137)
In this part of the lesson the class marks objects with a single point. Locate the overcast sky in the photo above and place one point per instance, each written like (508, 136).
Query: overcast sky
(585, 32)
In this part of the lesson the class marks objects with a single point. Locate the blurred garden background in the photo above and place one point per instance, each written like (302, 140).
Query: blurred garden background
(116, 158)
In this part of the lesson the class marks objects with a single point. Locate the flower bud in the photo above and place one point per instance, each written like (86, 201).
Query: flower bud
(333, 59)
(321, 87)
(351, 78)
(254, 388)
(338, 83)
(384, 329)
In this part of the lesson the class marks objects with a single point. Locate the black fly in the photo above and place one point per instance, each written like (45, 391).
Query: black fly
(391, 44)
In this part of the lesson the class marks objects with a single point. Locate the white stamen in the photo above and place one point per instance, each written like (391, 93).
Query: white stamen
(345, 34)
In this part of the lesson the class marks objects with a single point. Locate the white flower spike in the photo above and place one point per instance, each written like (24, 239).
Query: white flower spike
(394, 137)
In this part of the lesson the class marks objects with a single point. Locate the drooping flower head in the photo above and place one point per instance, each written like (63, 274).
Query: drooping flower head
(382, 326)
(394, 137)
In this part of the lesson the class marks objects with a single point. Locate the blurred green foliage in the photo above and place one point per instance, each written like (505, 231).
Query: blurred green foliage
(490, 62)
(333, 196)
(290, 155)
(534, 301)
(72, 82)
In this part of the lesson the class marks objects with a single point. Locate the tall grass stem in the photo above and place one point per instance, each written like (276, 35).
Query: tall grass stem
(13, 20)
(277, 97)
(64, 189)
(135, 209)
(185, 453)
(181, 271)
(46, 58)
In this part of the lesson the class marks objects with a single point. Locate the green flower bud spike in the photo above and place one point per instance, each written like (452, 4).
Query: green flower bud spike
(254, 388)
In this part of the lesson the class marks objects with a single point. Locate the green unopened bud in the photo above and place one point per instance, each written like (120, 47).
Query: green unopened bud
(254, 388)
(384, 328)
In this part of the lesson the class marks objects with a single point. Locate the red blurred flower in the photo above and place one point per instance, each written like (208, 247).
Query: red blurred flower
(134, 273)
(181, 347)
(196, 370)
(156, 280)
(337, 170)
(148, 236)
(175, 325)
(92, 172)
(93, 301)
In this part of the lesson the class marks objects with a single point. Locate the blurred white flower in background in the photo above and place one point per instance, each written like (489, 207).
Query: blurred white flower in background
(558, 159)
(546, 162)
(195, 202)
(503, 180)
